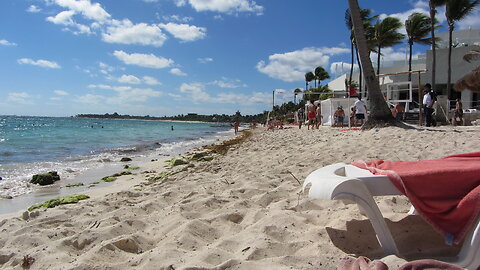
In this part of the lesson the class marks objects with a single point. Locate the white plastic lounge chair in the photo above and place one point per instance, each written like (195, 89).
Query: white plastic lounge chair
(346, 182)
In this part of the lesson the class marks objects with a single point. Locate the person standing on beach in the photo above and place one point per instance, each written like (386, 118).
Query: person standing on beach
(301, 117)
(400, 115)
(428, 101)
(458, 113)
(235, 126)
(319, 116)
(311, 108)
(360, 110)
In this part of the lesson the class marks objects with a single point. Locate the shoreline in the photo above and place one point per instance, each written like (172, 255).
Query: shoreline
(243, 209)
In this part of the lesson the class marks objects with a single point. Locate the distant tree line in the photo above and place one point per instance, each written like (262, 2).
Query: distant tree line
(224, 118)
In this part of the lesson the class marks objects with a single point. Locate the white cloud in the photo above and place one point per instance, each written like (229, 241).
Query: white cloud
(125, 32)
(185, 32)
(390, 55)
(129, 79)
(7, 43)
(205, 60)
(19, 97)
(339, 68)
(224, 6)
(228, 83)
(143, 60)
(150, 80)
(60, 92)
(92, 11)
(178, 72)
(91, 99)
(127, 94)
(197, 92)
(33, 9)
(292, 66)
(66, 18)
(40, 63)
(177, 18)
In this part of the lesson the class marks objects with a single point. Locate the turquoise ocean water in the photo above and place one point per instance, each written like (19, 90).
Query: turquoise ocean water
(31, 145)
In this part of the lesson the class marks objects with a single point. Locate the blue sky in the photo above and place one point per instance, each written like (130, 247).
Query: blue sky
(169, 57)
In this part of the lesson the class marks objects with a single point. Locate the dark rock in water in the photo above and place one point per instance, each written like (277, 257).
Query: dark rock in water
(1, 178)
(45, 178)
(8, 197)
(125, 159)
(126, 167)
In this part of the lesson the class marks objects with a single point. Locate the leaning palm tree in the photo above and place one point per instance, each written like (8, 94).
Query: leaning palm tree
(387, 35)
(380, 114)
(433, 4)
(418, 28)
(455, 11)
(309, 76)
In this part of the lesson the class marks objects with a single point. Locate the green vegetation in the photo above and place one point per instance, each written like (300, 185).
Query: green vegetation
(160, 176)
(74, 185)
(223, 118)
(176, 161)
(58, 201)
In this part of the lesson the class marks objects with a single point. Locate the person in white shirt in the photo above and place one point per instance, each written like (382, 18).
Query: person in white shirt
(360, 111)
(428, 101)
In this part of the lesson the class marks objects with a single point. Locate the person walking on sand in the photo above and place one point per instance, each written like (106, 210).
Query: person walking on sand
(311, 115)
(319, 116)
(428, 101)
(360, 110)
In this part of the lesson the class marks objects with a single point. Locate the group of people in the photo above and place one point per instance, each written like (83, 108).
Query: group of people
(357, 114)
(314, 116)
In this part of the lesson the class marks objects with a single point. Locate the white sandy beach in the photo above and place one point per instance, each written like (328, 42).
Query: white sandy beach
(243, 210)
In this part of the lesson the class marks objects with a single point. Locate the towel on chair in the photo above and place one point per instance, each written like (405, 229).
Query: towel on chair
(444, 191)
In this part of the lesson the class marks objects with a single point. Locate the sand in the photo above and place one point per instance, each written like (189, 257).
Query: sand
(242, 210)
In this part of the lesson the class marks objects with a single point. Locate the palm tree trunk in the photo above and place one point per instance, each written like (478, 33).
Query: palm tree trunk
(379, 111)
(434, 55)
(410, 43)
(449, 63)
(351, 68)
(378, 60)
(360, 71)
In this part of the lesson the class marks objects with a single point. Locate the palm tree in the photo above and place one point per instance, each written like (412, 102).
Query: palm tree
(418, 28)
(296, 92)
(433, 4)
(379, 111)
(387, 35)
(369, 30)
(309, 76)
(321, 74)
(455, 11)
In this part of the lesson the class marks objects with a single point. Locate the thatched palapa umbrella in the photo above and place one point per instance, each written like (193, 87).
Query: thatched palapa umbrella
(471, 81)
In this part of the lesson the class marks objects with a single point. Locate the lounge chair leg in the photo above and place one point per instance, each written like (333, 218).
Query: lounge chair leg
(360, 194)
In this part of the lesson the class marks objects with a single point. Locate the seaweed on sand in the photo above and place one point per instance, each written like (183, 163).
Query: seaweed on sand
(59, 201)
(223, 147)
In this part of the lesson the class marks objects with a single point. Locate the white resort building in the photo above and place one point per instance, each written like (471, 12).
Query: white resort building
(397, 88)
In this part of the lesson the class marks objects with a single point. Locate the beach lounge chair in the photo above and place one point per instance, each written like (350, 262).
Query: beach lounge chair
(350, 183)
